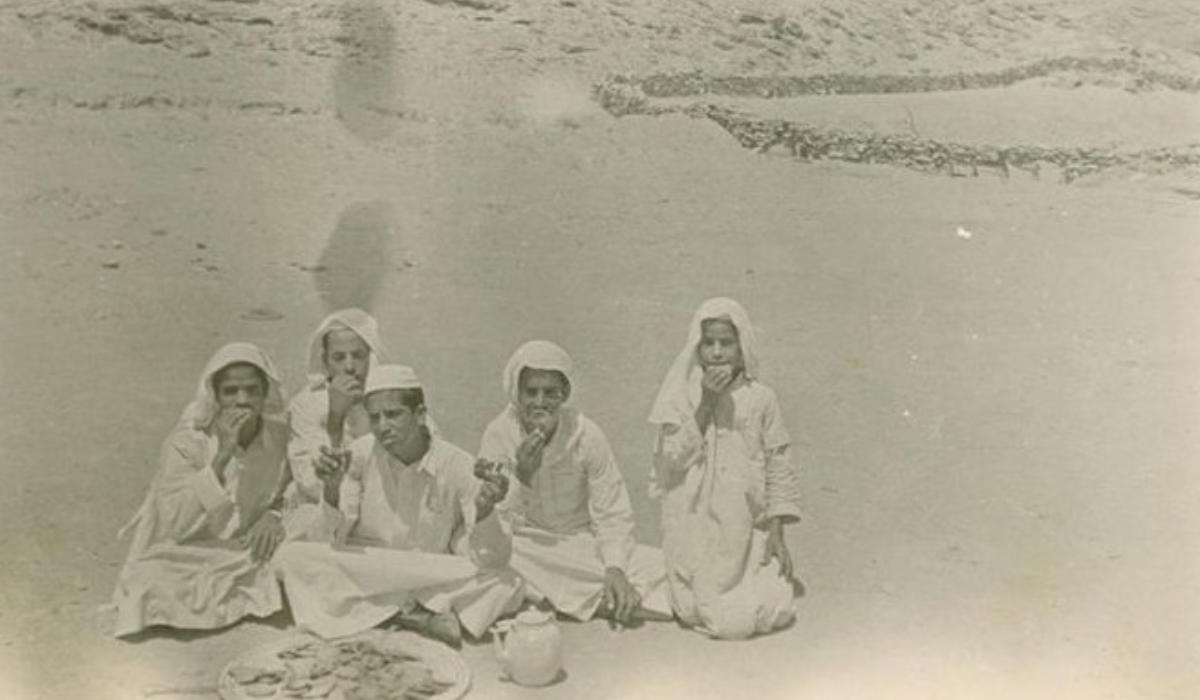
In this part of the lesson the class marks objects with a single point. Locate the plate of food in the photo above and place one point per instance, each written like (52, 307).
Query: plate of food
(375, 665)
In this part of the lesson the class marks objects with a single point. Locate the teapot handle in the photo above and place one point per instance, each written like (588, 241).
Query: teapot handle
(500, 632)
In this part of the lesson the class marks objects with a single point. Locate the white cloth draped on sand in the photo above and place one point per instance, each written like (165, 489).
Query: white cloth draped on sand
(718, 489)
(185, 568)
(411, 535)
(575, 518)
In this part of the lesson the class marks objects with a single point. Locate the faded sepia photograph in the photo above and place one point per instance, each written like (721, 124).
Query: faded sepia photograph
(600, 349)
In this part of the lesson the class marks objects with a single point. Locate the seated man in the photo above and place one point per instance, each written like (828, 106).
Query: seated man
(572, 520)
(206, 529)
(404, 532)
(328, 413)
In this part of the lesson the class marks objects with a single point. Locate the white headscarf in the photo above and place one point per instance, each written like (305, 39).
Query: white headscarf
(384, 377)
(357, 320)
(200, 413)
(536, 354)
(680, 392)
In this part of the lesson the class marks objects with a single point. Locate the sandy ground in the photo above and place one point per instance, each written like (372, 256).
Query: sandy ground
(992, 384)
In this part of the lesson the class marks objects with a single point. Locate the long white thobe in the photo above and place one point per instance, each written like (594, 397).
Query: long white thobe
(718, 490)
(574, 519)
(185, 568)
(411, 535)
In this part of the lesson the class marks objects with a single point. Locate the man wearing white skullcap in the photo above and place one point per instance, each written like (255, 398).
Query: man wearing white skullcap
(406, 533)
(570, 512)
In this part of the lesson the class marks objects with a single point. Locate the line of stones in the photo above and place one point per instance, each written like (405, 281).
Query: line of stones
(776, 86)
(809, 143)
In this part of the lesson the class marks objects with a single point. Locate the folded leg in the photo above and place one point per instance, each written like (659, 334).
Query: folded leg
(568, 572)
(335, 592)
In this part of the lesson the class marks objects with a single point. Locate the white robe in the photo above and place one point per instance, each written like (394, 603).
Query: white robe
(574, 520)
(410, 535)
(714, 505)
(718, 490)
(185, 567)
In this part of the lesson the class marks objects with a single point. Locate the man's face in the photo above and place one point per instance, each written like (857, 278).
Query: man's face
(719, 345)
(241, 386)
(346, 354)
(393, 423)
(541, 394)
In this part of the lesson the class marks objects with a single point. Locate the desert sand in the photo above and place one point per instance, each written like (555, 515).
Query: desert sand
(991, 380)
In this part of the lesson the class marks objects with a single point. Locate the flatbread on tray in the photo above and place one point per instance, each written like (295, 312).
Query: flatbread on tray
(375, 665)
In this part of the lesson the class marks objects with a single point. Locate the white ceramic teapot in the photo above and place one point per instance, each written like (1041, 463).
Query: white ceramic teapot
(529, 648)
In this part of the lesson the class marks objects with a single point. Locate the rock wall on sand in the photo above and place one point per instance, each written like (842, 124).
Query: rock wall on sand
(659, 94)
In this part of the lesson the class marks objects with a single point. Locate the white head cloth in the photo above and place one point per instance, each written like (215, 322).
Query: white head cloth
(680, 391)
(200, 413)
(357, 320)
(384, 377)
(536, 354)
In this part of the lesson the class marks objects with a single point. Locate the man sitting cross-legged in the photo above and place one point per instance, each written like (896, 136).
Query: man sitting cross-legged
(207, 529)
(571, 517)
(404, 533)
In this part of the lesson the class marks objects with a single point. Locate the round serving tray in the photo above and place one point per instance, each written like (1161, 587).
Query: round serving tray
(446, 664)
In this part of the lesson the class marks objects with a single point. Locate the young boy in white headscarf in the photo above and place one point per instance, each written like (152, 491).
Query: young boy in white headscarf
(328, 413)
(406, 534)
(206, 531)
(568, 507)
(728, 487)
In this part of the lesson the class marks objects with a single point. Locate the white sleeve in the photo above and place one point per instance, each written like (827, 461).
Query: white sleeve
(310, 410)
(608, 503)
(190, 500)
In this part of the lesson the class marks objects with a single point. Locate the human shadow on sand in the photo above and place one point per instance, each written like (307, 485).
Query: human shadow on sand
(356, 258)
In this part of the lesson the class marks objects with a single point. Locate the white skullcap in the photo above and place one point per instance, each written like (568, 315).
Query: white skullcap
(385, 377)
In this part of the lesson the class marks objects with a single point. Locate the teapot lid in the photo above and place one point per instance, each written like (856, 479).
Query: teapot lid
(533, 616)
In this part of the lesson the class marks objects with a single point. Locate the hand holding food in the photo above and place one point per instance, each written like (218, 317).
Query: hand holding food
(331, 463)
(344, 391)
(716, 379)
(529, 456)
(228, 426)
(493, 486)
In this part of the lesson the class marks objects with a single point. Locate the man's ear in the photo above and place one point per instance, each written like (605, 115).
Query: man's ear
(566, 390)
(421, 414)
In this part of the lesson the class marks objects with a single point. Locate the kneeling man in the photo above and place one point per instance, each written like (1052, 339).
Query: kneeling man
(571, 517)
(404, 532)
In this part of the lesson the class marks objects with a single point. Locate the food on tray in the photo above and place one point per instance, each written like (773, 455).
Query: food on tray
(354, 670)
